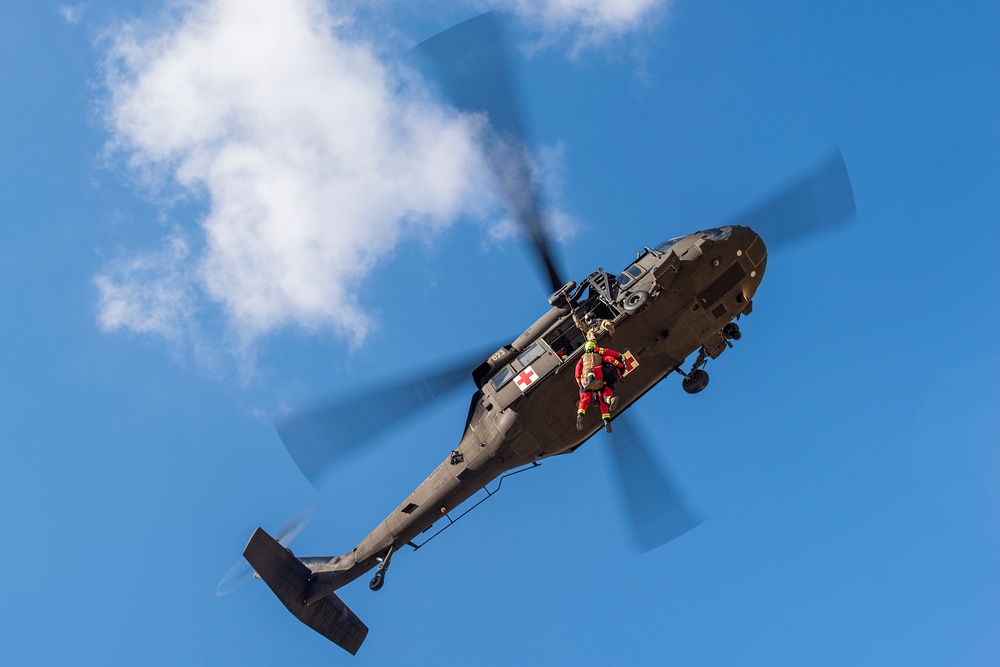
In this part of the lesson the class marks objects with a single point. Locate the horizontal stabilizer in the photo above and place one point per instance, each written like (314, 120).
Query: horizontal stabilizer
(289, 579)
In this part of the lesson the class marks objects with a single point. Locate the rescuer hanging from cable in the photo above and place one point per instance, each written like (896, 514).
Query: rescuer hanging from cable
(592, 382)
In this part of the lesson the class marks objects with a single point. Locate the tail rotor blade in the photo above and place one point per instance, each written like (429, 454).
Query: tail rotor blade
(816, 201)
(654, 505)
(240, 574)
(294, 526)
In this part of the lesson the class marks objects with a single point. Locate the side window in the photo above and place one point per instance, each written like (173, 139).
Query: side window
(501, 377)
(528, 356)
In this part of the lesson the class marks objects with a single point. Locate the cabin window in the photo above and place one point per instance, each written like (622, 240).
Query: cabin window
(528, 356)
(501, 377)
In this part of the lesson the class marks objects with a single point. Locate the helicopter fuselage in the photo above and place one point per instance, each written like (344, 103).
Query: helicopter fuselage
(672, 301)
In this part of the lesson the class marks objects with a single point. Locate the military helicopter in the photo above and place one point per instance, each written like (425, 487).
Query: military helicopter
(679, 298)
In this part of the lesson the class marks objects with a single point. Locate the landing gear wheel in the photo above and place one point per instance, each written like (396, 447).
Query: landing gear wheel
(732, 331)
(695, 382)
(377, 581)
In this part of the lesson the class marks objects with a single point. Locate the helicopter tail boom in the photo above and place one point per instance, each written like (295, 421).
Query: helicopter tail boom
(289, 579)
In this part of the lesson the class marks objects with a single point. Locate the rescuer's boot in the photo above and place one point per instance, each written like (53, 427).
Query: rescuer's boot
(607, 424)
(579, 421)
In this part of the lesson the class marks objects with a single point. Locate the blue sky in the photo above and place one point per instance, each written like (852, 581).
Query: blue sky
(846, 451)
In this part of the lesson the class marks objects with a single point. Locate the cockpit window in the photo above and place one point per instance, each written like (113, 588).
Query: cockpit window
(501, 377)
(666, 245)
(628, 274)
(718, 233)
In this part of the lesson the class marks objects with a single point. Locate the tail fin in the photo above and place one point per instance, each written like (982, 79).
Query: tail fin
(289, 579)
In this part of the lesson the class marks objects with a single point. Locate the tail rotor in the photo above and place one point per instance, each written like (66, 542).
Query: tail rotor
(241, 573)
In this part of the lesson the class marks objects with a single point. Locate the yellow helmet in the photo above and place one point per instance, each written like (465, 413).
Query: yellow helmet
(591, 345)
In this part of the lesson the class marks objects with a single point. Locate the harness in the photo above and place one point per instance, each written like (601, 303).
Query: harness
(590, 360)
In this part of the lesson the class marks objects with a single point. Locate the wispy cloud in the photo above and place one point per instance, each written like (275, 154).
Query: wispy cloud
(148, 293)
(315, 157)
(71, 13)
(588, 23)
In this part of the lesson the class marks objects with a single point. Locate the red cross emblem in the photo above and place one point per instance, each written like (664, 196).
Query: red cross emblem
(629, 361)
(525, 378)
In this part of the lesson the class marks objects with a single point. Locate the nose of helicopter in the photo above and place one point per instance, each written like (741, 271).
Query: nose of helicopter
(752, 251)
(729, 263)
(738, 256)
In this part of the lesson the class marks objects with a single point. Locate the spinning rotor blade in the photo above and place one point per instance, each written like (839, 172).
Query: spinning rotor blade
(471, 60)
(324, 433)
(241, 572)
(819, 200)
(656, 510)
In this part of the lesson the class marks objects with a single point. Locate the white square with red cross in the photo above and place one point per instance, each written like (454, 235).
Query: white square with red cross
(629, 361)
(525, 378)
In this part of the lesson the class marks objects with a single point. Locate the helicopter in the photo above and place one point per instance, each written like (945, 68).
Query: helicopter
(680, 298)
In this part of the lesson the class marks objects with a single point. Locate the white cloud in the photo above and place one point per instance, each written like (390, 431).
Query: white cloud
(313, 155)
(71, 13)
(148, 293)
(315, 159)
(588, 22)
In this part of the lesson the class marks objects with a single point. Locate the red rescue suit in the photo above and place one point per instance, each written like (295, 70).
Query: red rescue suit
(590, 378)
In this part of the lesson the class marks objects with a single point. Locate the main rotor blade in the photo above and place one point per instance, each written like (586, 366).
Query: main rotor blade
(655, 507)
(471, 61)
(818, 200)
(331, 430)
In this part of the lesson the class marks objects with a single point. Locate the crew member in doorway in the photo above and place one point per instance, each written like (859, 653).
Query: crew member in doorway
(590, 376)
